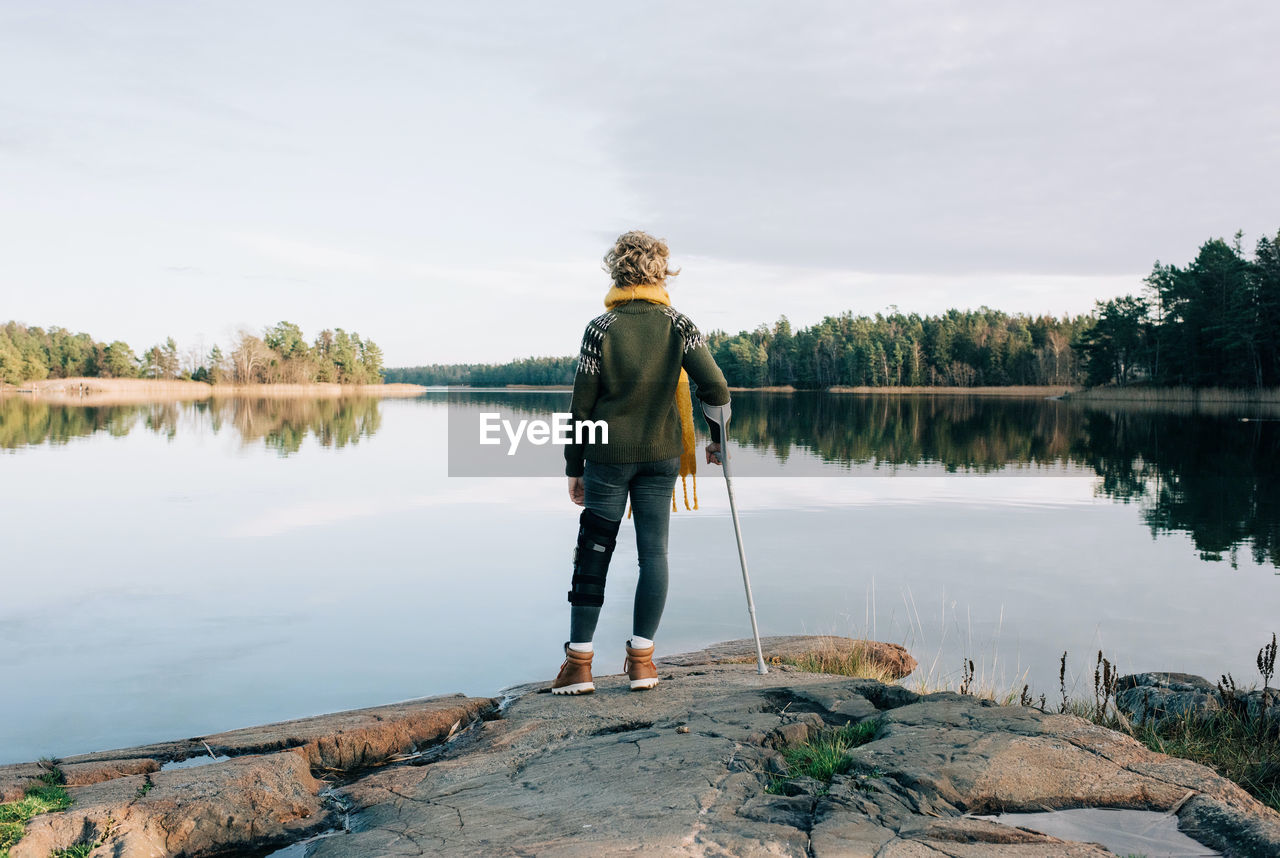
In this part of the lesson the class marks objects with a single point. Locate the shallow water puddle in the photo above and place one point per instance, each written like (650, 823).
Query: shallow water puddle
(1124, 832)
(299, 849)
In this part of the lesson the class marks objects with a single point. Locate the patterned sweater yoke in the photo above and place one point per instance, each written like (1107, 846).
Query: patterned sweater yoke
(628, 367)
(593, 342)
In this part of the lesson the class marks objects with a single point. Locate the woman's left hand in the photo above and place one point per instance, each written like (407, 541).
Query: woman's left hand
(577, 493)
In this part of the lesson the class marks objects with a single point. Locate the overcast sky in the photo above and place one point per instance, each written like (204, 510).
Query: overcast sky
(445, 177)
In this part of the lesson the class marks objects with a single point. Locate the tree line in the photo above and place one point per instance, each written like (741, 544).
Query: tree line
(1214, 322)
(960, 347)
(280, 355)
(534, 371)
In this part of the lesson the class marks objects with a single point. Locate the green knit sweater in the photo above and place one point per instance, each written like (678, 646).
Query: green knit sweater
(628, 371)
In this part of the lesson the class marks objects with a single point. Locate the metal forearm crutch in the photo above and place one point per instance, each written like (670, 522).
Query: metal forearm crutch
(720, 414)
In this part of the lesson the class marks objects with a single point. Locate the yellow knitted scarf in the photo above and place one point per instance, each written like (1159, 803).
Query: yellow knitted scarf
(656, 293)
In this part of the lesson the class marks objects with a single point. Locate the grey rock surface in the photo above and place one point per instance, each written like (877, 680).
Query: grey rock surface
(1156, 698)
(612, 774)
(1159, 698)
(696, 766)
(200, 811)
(268, 791)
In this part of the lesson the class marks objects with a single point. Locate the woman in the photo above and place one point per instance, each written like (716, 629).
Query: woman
(633, 373)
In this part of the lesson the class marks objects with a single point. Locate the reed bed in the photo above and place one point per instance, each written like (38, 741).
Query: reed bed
(1009, 390)
(1198, 395)
(1245, 411)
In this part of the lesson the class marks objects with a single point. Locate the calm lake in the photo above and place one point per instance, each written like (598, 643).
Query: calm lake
(174, 569)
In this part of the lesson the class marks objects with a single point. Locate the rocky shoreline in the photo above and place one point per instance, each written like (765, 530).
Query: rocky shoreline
(690, 768)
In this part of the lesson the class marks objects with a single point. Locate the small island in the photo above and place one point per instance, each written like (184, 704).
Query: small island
(58, 365)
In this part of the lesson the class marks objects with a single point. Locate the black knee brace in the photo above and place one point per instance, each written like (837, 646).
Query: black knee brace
(597, 537)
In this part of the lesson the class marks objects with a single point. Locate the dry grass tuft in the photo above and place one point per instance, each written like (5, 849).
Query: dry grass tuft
(854, 663)
(857, 662)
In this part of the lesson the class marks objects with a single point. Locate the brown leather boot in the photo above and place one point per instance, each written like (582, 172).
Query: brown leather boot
(575, 673)
(639, 667)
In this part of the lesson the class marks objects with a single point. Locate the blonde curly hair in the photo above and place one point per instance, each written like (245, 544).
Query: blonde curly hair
(637, 258)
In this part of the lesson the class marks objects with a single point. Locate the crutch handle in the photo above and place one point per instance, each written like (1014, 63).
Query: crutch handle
(719, 415)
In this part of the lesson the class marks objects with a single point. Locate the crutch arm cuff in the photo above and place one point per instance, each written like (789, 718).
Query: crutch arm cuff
(717, 417)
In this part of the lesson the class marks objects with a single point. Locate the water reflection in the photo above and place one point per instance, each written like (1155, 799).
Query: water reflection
(180, 570)
(1208, 472)
(1210, 475)
(972, 434)
(281, 424)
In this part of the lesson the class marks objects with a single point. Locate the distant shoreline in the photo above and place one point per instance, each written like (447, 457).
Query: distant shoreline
(106, 391)
(1007, 390)
(1011, 390)
(567, 387)
(1120, 395)
(1177, 394)
(112, 391)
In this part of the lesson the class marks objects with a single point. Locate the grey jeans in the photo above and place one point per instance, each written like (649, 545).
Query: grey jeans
(649, 485)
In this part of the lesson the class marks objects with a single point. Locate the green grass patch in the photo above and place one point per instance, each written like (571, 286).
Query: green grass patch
(146, 787)
(80, 850)
(42, 799)
(1241, 751)
(825, 755)
(46, 796)
(10, 833)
